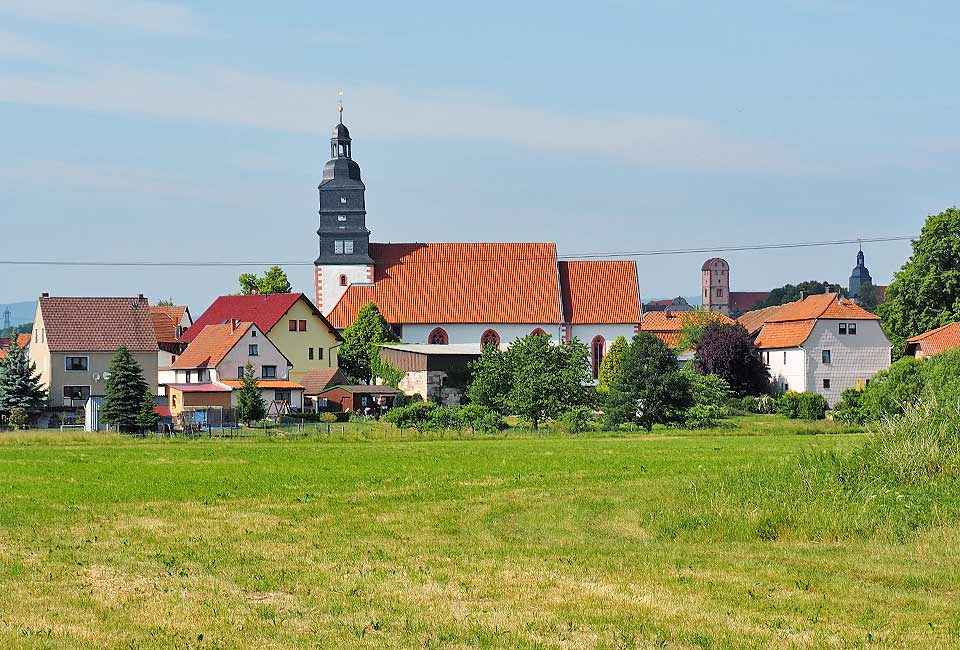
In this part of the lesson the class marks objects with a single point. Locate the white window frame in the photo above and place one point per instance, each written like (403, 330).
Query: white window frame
(348, 247)
(338, 247)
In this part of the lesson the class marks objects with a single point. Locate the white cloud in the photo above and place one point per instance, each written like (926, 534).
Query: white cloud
(223, 96)
(141, 15)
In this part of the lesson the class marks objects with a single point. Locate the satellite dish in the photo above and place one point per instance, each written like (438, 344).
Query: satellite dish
(283, 376)
(96, 376)
(106, 375)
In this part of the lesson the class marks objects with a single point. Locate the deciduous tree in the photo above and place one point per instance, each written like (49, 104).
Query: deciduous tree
(650, 389)
(791, 292)
(610, 366)
(726, 350)
(360, 341)
(273, 281)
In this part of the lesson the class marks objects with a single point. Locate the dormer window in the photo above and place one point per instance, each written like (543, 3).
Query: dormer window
(343, 200)
(341, 217)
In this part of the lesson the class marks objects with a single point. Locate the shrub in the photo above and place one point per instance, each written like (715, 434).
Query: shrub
(849, 410)
(415, 415)
(789, 405)
(894, 389)
(708, 390)
(19, 418)
(749, 404)
(416, 397)
(445, 418)
(812, 406)
(703, 416)
(481, 419)
(327, 417)
(766, 405)
(577, 419)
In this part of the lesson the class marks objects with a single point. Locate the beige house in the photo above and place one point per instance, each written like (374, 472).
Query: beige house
(75, 339)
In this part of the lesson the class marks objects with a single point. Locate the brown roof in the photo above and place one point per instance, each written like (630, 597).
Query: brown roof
(752, 321)
(458, 283)
(319, 379)
(163, 326)
(937, 340)
(792, 324)
(210, 347)
(174, 312)
(97, 324)
(23, 340)
(599, 292)
(741, 301)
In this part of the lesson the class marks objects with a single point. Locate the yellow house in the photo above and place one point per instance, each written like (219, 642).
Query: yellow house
(290, 321)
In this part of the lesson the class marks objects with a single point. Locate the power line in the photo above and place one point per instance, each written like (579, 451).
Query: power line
(569, 256)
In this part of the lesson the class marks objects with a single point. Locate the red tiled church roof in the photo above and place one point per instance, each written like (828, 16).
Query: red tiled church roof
(458, 283)
(97, 324)
(599, 292)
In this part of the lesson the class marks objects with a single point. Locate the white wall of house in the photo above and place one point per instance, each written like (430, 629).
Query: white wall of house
(329, 289)
(586, 333)
(238, 357)
(852, 357)
(787, 368)
(471, 332)
(165, 375)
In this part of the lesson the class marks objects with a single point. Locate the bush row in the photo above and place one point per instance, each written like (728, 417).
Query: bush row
(427, 416)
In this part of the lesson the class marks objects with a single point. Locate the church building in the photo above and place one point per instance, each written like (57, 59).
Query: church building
(445, 293)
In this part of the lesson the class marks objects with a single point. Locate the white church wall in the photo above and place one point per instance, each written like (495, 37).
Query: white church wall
(471, 332)
(329, 289)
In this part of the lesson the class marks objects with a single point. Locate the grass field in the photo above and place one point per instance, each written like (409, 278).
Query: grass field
(636, 541)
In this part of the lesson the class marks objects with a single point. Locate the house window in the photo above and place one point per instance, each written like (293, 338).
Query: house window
(825, 356)
(852, 329)
(343, 200)
(438, 336)
(268, 372)
(343, 280)
(338, 247)
(292, 325)
(253, 350)
(240, 371)
(282, 395)
(302, 325)
(253, 334)
(397, 329)
(596, 354)
(319, 353)
(76, 393)
(826, 383)
(719, 293)
(174, 400)
(76, 363)
(490, 338)
(348, 247)
(784, 357)
(766, 358)
(341, 217)
(310, 353)
(843, 329)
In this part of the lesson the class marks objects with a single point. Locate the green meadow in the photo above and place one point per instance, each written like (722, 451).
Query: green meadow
(717, 539)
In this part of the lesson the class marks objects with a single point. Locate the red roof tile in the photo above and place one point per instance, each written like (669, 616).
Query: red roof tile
(458, 283)
(786, 334)
(265, 310)
(752, 321)
(210, 347)
(666, 325)
(163, 326)
(741, 301)
(23, 340)
(175, 312)
(97, 324)
(599, 292)
(937, 340)
(825, 305)
(320, 379)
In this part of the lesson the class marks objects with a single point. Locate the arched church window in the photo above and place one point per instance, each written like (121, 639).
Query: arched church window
(343, 280)
(596, 354)
(438, 336)
(538, 332)
(490, 338)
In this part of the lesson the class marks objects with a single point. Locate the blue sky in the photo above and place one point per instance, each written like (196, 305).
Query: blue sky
(179, 131)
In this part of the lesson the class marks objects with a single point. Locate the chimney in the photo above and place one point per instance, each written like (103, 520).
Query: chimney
(234, 323)
(140, 296)
(669, 314)
(254, 291)
(44, 295)
(803, 295)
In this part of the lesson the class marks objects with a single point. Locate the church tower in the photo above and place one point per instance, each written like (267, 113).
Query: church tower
(859, 277)
(715, 283)
(344, 239)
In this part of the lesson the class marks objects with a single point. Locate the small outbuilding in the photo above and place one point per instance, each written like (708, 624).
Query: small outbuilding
(433, 371)
(356, 398)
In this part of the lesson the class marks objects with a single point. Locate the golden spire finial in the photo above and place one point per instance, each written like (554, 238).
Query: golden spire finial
(340, 104)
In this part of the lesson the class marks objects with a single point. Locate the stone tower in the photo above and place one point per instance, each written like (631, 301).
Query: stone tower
(344, 239)
(716, 285)
(859, 277)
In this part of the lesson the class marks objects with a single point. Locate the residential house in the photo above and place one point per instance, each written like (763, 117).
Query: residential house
(75, 339)
(169, 324)
(319, 380)
(934, 342)
(676, 304)
(22, 341)
(668, 325)
(753, 321)
(439, 372)
(823, 344)
(291, 322)
(215, 362)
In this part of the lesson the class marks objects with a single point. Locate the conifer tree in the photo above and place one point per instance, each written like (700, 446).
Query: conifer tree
(148, 418)
(250, 405)
(611, 364)
(124, 394)
(20, 383)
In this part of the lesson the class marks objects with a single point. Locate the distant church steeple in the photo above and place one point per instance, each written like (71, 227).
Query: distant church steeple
(860, 276)
(344, 257)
